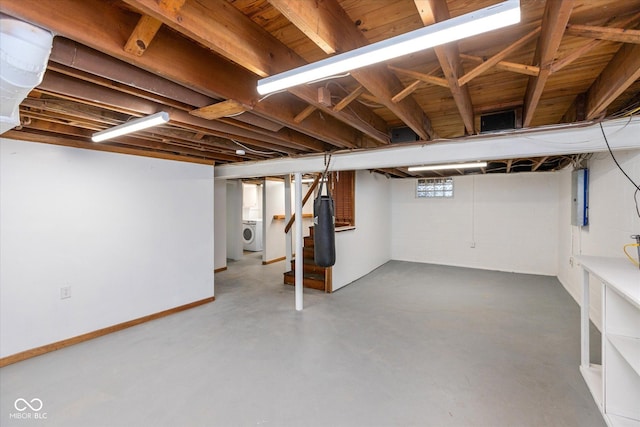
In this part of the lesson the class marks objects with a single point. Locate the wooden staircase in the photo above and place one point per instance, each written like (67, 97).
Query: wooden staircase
(315, 277)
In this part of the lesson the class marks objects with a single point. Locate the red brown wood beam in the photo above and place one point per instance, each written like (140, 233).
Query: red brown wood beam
(105, 98)
(554, 21)
(432, 11)
(618, 75)
(94, 119)
(236, 37)
(328, 25)
(102, 26)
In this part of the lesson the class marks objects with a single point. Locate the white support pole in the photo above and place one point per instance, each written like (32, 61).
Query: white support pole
(299, 254)
(287, 217)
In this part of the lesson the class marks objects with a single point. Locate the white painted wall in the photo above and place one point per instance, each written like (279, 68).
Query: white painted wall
(273, 242)
(251, 201)
(130, 235)
(234, 219)
(220, 223)
(364, 249)
(512, 219)
(274, 203)
(612, 219)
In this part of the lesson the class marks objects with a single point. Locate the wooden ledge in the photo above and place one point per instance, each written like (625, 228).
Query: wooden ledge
(304, 215)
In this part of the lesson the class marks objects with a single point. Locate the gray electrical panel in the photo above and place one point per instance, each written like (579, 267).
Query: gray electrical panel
(580, 197)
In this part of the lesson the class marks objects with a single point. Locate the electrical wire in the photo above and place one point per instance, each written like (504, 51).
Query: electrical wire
(255, 151)
(631, 245)
(635, 193)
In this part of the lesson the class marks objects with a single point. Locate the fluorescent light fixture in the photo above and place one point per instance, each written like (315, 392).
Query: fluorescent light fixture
(445, 167)
(470, 24)
(131, 126)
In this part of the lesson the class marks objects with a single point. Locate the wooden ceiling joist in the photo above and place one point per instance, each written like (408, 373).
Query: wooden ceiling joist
(342, 104)
(226, 108)
(591, 45)
(530, 70)
(425, 77)
(321, 18)
(85, 92)
(304, 113)
(495, 59)
(142, 35)
(432, 11)
(620, 73)
(554, 21)
(539, 163)
(91, 22)
(249, 45)
(605, 33)
(406, 91)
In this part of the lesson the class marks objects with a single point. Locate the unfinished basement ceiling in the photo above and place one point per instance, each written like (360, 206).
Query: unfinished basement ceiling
(565, 62)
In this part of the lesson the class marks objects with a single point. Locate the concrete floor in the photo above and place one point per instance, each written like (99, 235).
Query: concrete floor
(408, 345)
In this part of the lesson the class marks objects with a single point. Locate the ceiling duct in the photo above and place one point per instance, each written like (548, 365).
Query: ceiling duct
(502, 120)
(24, 52)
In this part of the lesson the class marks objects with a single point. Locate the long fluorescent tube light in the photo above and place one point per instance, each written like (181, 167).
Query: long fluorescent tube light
(470, 24)
(131, 126)
(450, 166)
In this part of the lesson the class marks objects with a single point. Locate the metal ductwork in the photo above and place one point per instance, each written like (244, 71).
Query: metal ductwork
(24, 52)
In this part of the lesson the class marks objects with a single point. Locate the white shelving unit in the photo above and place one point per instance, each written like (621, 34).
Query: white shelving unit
(615, 385)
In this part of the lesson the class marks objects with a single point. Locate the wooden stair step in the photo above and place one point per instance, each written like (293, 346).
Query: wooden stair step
(307, 253)
(309, 266)
(310, 280)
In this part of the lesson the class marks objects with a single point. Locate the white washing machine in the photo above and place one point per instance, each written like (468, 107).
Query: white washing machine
(252, 235)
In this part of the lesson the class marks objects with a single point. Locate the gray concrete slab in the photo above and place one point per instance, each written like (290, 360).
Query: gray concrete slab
(408, 345)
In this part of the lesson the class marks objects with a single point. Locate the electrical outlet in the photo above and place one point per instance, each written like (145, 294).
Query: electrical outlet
(65, 292)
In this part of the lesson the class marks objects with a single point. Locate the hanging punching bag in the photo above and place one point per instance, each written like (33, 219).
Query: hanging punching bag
(324, 238)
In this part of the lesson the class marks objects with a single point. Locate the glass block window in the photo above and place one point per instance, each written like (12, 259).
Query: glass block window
(431, 188)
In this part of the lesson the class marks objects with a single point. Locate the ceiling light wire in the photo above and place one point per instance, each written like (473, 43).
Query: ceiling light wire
(266, 153)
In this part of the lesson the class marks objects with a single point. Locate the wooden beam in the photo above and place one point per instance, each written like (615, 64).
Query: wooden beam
(406, 91)
(317, 25)
(244, 42)
(226, 108)
(514, 67)
(432, 11)
(304, 113)
(539, 163)
(605, 33)
(555, 18)
(618, 75)
(425, 77)
(349, 98)
(92, 23)
(77, 90)
(573, 55)
(495, 59)
(576, 53)
(142, 35)
(509, 163)
(327, 23)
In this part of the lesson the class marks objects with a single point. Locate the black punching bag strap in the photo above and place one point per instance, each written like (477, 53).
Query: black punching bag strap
(324, 240)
